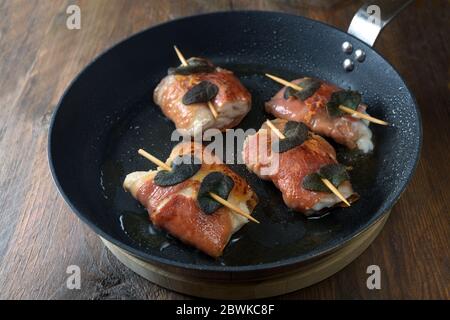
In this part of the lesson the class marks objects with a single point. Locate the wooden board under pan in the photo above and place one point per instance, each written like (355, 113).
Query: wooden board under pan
(302, 277)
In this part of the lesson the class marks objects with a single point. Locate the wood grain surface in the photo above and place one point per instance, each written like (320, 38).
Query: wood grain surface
(40, 237)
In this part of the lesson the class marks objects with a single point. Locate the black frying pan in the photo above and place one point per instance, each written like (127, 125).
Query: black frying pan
(108, 113)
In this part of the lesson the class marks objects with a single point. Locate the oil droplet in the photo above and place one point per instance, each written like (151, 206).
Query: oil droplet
(164, 245)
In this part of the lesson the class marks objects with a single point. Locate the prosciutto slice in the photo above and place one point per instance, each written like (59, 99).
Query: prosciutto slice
(175, 208)
(232, 102)
(346, 129)
(292, 167)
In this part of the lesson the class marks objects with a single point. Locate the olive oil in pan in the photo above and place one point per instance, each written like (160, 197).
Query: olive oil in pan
(362, 167)
(282, 232)
(139, 228)
(111, 173)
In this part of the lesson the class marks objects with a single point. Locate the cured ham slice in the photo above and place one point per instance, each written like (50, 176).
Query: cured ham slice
(176, 210)
(345, 129)
(232, 102)
(292, 167)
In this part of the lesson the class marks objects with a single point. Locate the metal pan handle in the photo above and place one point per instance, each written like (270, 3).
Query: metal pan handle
(373, 16)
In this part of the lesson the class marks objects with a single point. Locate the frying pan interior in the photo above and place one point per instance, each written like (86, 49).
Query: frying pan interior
(108, 113)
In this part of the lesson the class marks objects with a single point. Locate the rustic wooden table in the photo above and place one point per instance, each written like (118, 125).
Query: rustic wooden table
(40, 237)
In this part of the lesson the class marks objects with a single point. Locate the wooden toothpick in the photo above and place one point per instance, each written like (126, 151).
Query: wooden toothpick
(185, 63)
(333, 189)
(232, 207)
(341, 107)
(326, 182)
(284, 82)
(155, 160)
(219, 199)
(180, 56)
(275, 129)
(363, 115)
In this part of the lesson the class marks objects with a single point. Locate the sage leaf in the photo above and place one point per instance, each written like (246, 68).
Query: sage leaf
(195, 65)
(215, 182)
(295, 134)
(313, 182)
(183, 168)
(200, 93)
(348, 98)
(309, 85)
(336, 173)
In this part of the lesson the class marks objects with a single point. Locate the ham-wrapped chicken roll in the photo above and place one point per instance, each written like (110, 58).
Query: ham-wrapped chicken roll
(176, 208)
(317, 108)
(295, 171)
(184, 93)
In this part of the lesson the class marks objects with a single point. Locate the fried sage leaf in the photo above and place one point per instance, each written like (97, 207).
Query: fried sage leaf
(309, 85)
(336, 173)
(215, 182)
(195, 65)
(183, 168)
(313, 182)
(348, 98)
(201, 93)
(295, 132)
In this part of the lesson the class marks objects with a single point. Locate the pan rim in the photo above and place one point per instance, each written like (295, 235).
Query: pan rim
(292, 261)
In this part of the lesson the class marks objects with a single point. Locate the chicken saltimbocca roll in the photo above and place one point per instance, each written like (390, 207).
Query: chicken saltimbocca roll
(185, 92)
(297, 166)
(178, 201)
(317, 106)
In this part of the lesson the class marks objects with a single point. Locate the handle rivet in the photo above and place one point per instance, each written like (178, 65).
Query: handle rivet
(360, 55)
(348, 65)
(347, 47)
